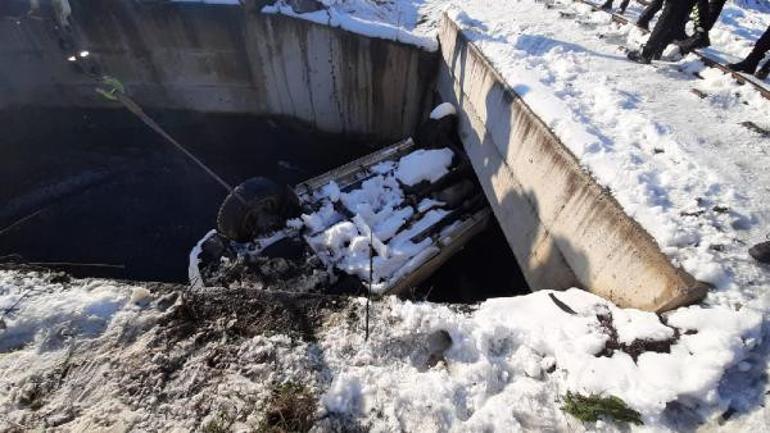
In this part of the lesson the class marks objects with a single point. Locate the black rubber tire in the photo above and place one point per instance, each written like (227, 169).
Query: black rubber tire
(261, 213)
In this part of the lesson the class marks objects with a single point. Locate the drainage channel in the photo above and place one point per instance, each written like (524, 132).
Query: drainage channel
(98, 194)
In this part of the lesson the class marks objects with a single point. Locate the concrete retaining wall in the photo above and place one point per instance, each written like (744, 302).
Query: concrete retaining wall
(216, 58)
(564, 229)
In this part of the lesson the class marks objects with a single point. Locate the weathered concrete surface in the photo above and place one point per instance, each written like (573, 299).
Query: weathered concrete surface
(215, 58)
(564, 229)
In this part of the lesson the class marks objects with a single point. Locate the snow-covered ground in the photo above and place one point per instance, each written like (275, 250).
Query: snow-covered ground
(95, 355)
(740, 24)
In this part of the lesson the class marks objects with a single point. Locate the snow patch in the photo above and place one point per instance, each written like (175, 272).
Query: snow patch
(424, 165)
(443, 110)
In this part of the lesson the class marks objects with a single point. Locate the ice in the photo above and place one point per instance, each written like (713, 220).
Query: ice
(424, 165)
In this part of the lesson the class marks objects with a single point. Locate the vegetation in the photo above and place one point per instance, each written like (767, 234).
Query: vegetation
(291, 409)
(593, 407)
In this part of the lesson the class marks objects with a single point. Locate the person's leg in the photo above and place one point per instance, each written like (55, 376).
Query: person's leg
(623, 6)
(607, 5)
(764, 71)
(648, 13)
(675, 13)
(715, 9)
(749, 64)
(704, 21)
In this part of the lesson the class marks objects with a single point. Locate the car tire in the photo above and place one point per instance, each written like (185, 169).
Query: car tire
(254, 207)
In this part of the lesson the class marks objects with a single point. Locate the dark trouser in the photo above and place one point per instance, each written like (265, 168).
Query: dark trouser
(649, 12)
(715, 9)
(761, 48)
(623, 4)
(670, 26)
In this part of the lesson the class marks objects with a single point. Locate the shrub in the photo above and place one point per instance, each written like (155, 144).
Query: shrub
(593, 407)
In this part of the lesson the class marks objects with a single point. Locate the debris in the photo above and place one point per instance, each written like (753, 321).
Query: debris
(564, 307)
(756, 128)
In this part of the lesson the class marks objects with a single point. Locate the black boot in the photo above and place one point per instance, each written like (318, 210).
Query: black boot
(764, 71)
(607, 6)
(698, 40)
(639, 57)
(747, 65)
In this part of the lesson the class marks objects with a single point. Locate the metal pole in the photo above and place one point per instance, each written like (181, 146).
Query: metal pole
(371, 278)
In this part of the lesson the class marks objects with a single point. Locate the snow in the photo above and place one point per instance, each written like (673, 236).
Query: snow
(424, 165)
(193, 269)
(508, 363)
(494, 377)
(46, 315)
(442, 110)
(687, 169)
(381, 218)
(393, 21)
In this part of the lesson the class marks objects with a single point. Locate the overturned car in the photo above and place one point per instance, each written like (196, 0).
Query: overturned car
(384, 222)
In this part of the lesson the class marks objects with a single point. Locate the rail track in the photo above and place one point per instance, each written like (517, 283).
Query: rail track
(708, 61)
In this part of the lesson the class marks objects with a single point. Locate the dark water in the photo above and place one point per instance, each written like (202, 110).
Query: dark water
(108, 190)
(98, 187)
(485, 268)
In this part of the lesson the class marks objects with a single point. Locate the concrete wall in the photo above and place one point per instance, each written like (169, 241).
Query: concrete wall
(564, 229)
(216, 58)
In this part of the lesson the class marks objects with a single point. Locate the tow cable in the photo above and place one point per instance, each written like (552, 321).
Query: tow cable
(113, 90)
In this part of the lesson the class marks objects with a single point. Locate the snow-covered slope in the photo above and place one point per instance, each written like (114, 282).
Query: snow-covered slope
(94, 355)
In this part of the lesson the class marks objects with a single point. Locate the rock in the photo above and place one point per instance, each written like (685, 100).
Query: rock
(761, 252)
